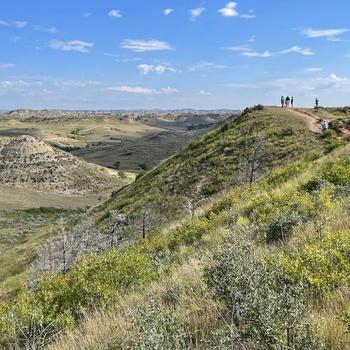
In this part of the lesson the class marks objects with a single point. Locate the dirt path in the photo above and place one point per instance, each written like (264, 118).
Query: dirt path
(312, 119)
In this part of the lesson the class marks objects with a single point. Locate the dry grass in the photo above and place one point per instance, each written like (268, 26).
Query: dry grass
(14, 198)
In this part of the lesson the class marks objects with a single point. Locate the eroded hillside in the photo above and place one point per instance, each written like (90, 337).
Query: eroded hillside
(26, 162)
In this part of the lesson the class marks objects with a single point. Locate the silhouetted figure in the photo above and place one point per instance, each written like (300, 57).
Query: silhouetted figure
(282, 101)
(287, 101)
(316, 102)
(291, 101)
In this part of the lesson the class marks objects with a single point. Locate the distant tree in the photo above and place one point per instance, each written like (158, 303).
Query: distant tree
(116, 226)
(143, 166)
(116, 164)
(256, 154)
(191, 201)
(145, 218)
(65, 247)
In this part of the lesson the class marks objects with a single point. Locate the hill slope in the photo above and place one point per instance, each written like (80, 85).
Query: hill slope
(240, 151)
(262, 264)
(28, 163)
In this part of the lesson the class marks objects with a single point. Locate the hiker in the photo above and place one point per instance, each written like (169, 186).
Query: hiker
(287, 101)
(324, 125)
(282, 101)
(291, 101)
(316, 102)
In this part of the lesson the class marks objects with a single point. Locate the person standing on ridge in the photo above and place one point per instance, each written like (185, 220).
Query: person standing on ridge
(316, 102)
(287, 101)
(291, 101)
(282, 101)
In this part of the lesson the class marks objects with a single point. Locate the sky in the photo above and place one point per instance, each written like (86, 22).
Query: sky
(173, 54)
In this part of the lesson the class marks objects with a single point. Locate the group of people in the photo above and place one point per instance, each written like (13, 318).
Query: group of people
(287, 101)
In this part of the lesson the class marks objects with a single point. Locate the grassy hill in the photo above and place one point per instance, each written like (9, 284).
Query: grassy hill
(240, 241)
(133, 140)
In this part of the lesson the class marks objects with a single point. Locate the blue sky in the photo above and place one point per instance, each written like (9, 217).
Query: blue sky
(171, 54)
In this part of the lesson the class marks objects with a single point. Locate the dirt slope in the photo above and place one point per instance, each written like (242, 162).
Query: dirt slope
(28, 163)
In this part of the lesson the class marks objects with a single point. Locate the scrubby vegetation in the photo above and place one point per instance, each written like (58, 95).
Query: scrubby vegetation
(241, 241)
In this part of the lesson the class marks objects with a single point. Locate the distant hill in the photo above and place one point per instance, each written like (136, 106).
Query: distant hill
(115, 111)
(28, 163)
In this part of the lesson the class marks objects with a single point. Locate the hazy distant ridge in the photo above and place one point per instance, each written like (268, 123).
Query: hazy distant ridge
(119, 111)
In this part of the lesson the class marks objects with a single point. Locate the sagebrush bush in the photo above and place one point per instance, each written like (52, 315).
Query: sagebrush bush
(262, 307)
(156, 327)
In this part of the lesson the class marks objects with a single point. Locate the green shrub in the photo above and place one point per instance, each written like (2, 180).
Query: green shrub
(328, 134)
(156, 327)
(189, 233)
(286, 173)
(140, 174)
(335, 125)
(334, 144)
(262, 307)
(283, 224)
(337, 172)
(324, 264)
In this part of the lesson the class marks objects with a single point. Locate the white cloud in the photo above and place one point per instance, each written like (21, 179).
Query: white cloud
(250, 15)
(312, 69)
(6, 66)
(21, 24)
(204, 93)
(229, 10)
(204, 66)
(3, 23)
(256, 54)
(73, 45)
(87, 14)
(141, 90)
(132, 89)
(244, 51)
(168, 90)
(323, 33)
(145, 45)
(125, 60)
(114, 13)
(333, 77)
(63, 83)
(252, 39)
(46, 30)
(237, 48)
(146, 69)
(298, 49)
(167, 11)
(317, 84)
(196, 12)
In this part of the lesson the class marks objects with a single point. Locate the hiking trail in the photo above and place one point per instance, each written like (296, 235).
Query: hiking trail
(308, 114)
